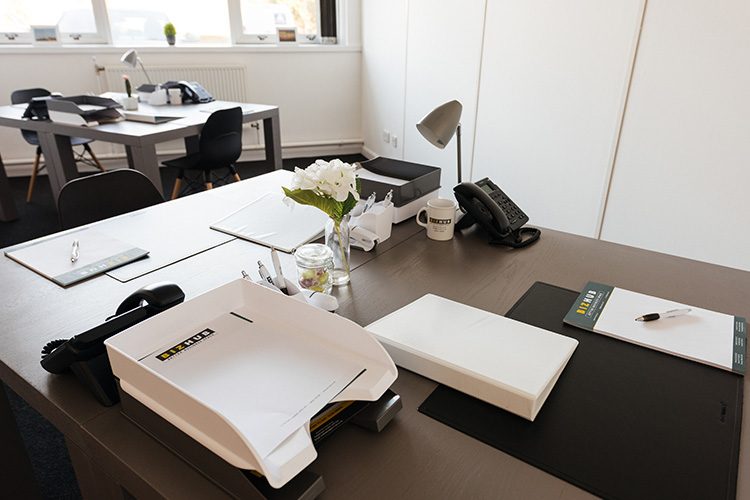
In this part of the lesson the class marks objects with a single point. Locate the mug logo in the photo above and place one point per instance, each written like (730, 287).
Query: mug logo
(440, 221)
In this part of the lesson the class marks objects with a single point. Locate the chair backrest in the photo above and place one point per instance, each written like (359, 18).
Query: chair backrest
(23, 96)
(99, 196)
(221, 137)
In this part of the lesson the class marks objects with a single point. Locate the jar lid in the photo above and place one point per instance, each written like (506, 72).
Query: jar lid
(313, 254)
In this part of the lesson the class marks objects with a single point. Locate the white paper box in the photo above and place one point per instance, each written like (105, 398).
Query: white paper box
(218, 426)
(504, 362)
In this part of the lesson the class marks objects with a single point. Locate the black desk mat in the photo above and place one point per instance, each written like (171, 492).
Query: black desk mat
(622, 421)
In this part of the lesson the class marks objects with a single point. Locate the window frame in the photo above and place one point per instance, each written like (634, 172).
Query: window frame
(101, 36)
(241, 38)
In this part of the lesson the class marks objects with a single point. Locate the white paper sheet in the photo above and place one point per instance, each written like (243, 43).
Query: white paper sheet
(702, 335)
(267, 220)
(97, 250)
(270, 384)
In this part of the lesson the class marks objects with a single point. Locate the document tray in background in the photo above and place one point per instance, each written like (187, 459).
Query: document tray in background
(84, 110)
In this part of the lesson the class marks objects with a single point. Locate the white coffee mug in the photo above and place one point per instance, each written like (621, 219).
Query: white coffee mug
(175, 97)
(441, 218)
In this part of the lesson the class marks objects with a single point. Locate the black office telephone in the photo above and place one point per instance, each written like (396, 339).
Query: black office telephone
(191, 91)
(85, 353)
(486, 204)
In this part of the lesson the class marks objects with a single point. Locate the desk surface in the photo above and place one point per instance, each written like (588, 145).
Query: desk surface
(415, 457)
(192, 118)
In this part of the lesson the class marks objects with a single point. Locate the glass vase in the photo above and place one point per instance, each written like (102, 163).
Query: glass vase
(337, 239)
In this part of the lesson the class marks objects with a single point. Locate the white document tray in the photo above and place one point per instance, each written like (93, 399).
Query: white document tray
(210, 426)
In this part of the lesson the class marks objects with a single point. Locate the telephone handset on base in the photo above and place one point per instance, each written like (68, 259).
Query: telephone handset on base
(85, 353)
(485, 203)
(191, 91)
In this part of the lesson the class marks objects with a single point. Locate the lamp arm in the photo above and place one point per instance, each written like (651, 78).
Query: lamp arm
(458, 149)
(144, 71)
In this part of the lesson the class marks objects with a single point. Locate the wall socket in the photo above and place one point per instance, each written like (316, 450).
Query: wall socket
(394, 141)
(386, 136)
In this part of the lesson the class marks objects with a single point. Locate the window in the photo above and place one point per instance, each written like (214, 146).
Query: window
(141, 22)
(261, 18)
(75, 20)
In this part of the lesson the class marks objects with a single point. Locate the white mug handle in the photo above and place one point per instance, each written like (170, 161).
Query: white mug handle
(423, 224)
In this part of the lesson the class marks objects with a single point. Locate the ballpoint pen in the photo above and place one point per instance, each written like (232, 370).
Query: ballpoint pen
(388, 197)
(279, 280)
(370, 202)
(666, 314)
(75, 251)
(264, 274)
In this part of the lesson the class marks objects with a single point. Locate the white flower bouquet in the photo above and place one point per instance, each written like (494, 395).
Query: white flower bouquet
(332, 187)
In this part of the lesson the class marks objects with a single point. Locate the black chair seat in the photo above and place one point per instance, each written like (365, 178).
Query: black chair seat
(32, 138)
(192, 161)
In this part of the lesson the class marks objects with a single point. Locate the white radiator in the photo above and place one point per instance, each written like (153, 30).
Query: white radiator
(226, 83)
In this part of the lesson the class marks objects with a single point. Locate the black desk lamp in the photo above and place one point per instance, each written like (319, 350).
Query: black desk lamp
(439, 126)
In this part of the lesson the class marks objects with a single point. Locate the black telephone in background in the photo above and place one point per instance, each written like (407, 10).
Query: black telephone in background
(484, 203)
(191, 91)
(85, 353)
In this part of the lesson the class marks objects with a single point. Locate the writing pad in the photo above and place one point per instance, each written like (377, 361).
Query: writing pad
(623, 421)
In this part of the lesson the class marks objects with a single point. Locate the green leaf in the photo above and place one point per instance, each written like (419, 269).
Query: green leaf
(324, 203)
(348, 204)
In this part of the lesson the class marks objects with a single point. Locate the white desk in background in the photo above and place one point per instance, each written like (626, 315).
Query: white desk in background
(139, 139)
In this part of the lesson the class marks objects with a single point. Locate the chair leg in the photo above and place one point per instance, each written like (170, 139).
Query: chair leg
(207, 179)
(93, 157)
(34, 171)
(177, 185)
(234, 173)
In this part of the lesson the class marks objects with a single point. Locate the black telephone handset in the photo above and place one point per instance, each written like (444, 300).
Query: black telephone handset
(486, 204)
(85, 353)
(191, 91)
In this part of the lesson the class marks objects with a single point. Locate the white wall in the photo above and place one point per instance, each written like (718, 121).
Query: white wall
(554, 76)
(441, 68)
(680, 183)
(383, 75)
(318, 89)
(657, 161)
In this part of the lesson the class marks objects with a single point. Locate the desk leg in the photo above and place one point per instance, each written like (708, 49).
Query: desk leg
(272, 137)
(18, 476)
(58, 157)
(8, 210)
(92, 481)
(143, 159)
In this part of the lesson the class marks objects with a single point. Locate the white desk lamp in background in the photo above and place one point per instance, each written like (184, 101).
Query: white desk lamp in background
(130, 58)
(439, 126)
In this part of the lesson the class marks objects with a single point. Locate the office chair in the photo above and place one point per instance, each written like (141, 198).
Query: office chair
(24, 96)
(220, 146)
(99, 196)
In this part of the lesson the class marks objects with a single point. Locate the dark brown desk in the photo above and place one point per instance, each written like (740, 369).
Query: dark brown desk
(8, 210)
(139, 139)
(415, 457)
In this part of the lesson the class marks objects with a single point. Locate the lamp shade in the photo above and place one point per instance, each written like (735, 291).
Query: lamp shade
(440, 124)
(130, 58)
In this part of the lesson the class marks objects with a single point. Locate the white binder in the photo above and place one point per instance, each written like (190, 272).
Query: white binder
(504, 362)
